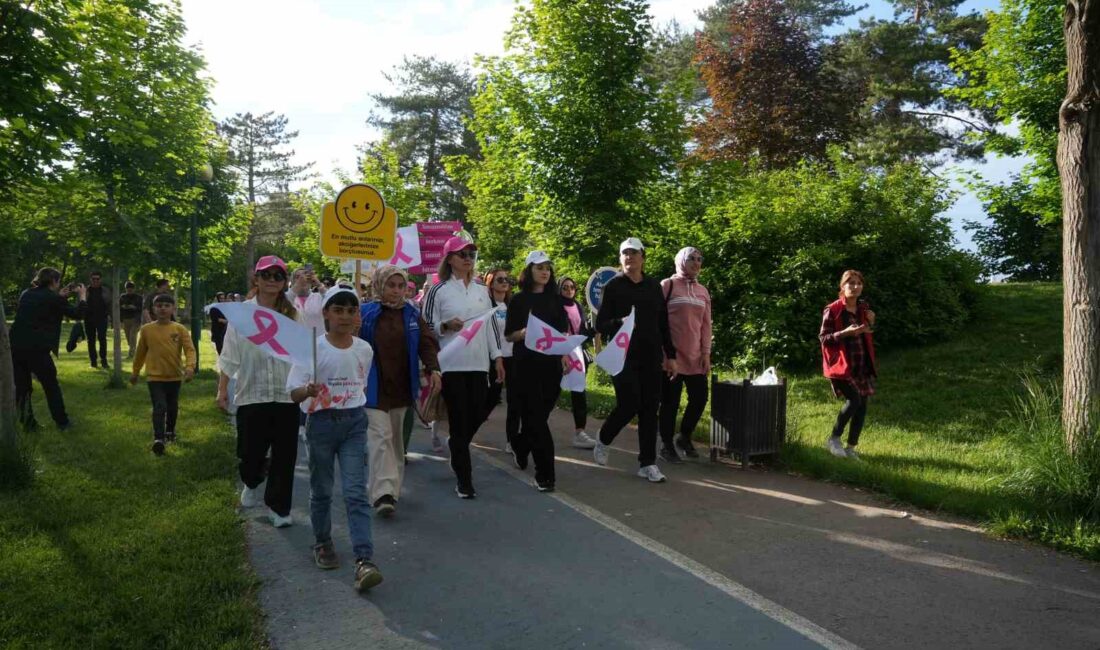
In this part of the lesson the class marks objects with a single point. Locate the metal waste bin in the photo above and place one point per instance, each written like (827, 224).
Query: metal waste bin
(747, 420)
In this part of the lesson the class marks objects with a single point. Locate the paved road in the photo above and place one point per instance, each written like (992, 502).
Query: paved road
(716, 558)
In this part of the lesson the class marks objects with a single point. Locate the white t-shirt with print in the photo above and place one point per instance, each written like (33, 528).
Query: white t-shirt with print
(342, 374)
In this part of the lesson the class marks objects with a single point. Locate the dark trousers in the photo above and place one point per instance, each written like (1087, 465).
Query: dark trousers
(165, 396)
(580, 409)
(464, 394)
(274, 426)
(538, 389)
(853, 411)
(96, 330)
(512, 414)
(38, 363)
(670, 404)
(637, 392)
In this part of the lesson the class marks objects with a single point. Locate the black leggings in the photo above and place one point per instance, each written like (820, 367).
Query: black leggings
(512, 418)
(580, 409)
(274, 426)
(854, 410)
(464, 394)
(670, 404)
(637, 392)
(538, 390)
(165, 396)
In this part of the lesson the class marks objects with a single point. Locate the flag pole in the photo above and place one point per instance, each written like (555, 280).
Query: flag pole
(314, 355)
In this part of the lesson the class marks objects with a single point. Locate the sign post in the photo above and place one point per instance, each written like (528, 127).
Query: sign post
(593, 291)
(358, 225)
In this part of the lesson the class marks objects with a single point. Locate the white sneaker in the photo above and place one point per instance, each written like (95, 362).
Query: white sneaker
(507, 447)
(651, 474)
(835, 448)
(600, 452)
(279, 521)
(850, 452)
(302, 432)
(582, 441)
(249, 497)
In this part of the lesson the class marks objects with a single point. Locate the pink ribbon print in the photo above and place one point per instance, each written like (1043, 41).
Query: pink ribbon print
(548, 339)
(622, 340)
(399, 254)
(575, 364)
(268, 328)
(470, 332)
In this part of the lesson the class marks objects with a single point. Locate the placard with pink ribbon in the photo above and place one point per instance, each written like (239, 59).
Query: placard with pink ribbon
(574, 379)
(613, 356)
(432, 235)
(270, 331)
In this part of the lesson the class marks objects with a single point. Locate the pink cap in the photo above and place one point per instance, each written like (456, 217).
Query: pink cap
(455, 244)
(268, 261)
(410, 284)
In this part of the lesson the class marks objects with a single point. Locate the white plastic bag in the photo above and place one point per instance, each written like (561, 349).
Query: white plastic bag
(767, 378)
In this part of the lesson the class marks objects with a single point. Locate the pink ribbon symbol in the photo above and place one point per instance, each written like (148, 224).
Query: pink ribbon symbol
(400, 255)
(575, 364)
(548, 339)
(269, 327)
(622, 340)
(470, 332)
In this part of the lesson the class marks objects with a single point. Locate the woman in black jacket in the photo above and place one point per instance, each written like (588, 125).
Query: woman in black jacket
(34, 334)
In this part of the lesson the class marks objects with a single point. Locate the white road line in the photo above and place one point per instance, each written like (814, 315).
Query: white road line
(736, 590)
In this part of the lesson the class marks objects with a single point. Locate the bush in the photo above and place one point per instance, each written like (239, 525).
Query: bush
(776, 243)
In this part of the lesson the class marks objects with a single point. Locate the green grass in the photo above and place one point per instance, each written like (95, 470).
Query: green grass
(112, 547)
(945, 430)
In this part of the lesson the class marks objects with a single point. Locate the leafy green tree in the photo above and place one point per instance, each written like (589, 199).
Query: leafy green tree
(264, 170)
(1019, 242)
(570, 127)
(425, 122)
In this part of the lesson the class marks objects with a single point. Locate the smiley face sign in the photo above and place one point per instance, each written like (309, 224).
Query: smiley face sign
(358, 225)
(360, 208)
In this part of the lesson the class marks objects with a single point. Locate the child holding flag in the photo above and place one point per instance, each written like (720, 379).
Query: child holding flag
(160, 345)
(332, 393)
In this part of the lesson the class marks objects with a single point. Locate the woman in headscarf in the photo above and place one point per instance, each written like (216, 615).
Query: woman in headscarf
(689, 320)
(578, 324)
(401, 342)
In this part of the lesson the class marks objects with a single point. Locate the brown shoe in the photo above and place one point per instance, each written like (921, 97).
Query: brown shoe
(366, 575)
(325, 556)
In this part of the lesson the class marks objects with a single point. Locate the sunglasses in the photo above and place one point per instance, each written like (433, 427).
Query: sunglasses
(568, 287)
(466, 255)
(504, 280)
(277, 276)
(695, 258)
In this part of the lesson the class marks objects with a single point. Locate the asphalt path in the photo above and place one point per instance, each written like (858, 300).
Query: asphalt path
(717, 557)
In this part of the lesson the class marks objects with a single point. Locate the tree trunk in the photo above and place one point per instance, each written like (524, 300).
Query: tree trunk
(9, 436)
(1079, 168)
(116, 319)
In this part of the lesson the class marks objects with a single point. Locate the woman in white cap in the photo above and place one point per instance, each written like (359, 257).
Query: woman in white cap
(537, 377)
(267, 419)
(448, 307)
(638, 385)
(401, 342)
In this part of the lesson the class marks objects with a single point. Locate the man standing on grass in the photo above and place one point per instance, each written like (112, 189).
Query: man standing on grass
(96, 318)
(129, 310)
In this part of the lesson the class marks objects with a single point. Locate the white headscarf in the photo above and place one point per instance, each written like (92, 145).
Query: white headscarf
(681, 262)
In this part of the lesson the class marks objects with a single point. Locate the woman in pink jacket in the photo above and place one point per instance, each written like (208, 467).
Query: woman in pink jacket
(688, 305)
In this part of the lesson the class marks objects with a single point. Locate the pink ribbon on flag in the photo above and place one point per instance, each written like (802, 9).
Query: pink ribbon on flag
(399, 255)
(548, 339)
(575, 364)
(622, 340)
(268, 327)
(470, 332)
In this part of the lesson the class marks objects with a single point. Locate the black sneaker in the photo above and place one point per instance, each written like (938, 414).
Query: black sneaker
(104, 365)
(465, 492)
(158, 447)
(170, 437)
(669, 454)
(684, 445)
(367, 575)
(544, 486)
(519, 461)
(385, 506)
(324, 556)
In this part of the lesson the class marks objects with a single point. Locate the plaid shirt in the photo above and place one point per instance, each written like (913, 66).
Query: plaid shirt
(862, 374)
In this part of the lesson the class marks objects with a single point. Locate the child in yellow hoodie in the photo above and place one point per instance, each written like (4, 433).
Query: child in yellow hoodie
(159, 348)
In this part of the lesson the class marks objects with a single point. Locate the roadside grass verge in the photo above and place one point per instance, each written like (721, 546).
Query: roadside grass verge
(112, 547)
(967, 426)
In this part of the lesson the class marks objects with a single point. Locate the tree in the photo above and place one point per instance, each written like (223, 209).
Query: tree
(570, 127)
(1019, 243)
(265, 172)
(425, 122)
(1079, 167)
(770, 98)
(811, 16)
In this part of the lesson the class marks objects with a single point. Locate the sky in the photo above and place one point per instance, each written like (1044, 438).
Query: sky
(319, 61)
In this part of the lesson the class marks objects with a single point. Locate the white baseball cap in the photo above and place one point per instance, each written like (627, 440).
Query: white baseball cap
(631, 242)
(335, 291)
(536, 257)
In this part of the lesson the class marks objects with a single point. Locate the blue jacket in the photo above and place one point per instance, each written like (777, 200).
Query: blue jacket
(410, 316)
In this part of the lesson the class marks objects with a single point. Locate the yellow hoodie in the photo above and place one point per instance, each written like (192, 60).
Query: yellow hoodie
(163, 344)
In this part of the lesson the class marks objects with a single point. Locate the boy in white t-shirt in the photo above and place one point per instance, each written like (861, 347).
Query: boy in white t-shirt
(337, 429)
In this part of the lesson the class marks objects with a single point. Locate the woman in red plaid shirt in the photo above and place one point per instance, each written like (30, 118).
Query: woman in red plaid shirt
(848, 360)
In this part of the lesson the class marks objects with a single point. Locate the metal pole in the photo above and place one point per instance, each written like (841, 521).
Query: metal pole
(196, 314)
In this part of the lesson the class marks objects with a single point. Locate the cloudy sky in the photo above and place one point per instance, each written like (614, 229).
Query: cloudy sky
(318, 61)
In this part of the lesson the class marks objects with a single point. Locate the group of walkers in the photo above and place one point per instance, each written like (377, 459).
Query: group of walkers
(377, 361)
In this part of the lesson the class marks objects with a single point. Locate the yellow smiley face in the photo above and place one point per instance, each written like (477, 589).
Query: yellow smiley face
(360, 208)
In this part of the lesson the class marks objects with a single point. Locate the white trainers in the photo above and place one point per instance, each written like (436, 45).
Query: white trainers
(302, 432)
(249, 497)
(651, 474)
(600, 453)
(850, 452)
(280, 521)
(835, 448)
(507, 447)
(582, 441)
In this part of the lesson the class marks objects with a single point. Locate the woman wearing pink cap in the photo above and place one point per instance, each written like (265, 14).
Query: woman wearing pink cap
(448, 306)
(267, 418)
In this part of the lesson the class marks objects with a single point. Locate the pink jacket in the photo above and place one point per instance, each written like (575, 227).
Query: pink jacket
(689, 321)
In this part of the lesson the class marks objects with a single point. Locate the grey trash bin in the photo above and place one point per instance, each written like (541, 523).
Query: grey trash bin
(747, 420)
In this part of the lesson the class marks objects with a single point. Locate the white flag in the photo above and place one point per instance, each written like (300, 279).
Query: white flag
(275, 334)
(574, 379)
(613, 355)
(470, 331)
(406, 249)
(546, 340)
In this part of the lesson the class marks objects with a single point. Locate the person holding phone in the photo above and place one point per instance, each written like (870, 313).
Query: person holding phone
(848, 360)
